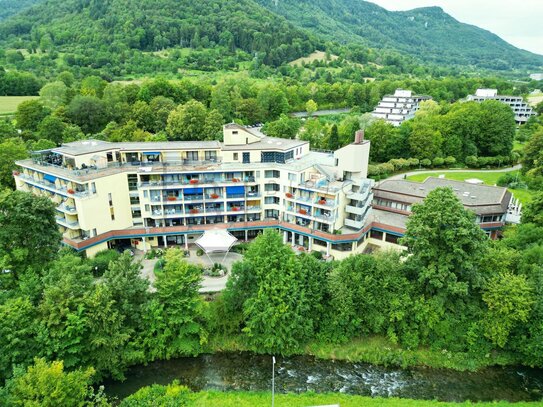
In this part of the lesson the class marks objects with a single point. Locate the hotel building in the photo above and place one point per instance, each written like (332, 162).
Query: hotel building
(521, 109)
(163, 194)
(397, 108)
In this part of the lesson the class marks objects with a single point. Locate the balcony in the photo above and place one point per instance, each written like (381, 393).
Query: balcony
(68, 224)
(354, 224)
(356, 210)
(327, 203)
(71, 210)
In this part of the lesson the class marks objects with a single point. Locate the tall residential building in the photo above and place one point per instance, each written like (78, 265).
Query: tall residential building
(521, 109)
(153, 194)
(397, 108)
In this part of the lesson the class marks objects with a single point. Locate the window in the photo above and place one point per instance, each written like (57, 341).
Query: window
(271, 174)
(132, 182)
(134, 200)
(271, 200)
(210, 155)
(271, 187)
(93, 187)
(236, 157)
(110, 198)
(192, 155)
(292, 176)
(112, 213)
(375, 234)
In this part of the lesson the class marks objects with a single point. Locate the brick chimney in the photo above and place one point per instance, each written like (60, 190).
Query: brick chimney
(359, 137)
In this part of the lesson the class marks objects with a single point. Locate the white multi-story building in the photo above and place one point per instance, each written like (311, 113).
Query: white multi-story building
(162, 194)
(397, 108)
(521, 109)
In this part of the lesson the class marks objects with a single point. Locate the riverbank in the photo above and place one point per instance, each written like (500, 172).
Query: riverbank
(239, 399)
(379, 351)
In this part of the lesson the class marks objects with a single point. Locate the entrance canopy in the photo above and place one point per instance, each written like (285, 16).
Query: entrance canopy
(219, 240)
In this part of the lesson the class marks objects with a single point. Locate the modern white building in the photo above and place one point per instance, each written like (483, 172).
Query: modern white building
(521, 109)
(397, 108)
(163, 194)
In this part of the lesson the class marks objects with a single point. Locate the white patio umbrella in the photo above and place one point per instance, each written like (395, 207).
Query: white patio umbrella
(216, 241)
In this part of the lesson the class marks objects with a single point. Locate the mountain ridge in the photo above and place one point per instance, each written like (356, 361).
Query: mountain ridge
(365, 22)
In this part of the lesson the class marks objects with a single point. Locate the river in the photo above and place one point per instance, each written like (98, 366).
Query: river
(246, 371)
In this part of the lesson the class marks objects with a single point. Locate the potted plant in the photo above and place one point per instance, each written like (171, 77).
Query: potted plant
(172, 198)
(322, 201)
(70, 191)
(16, 172)
(213, 196)
(302, 212)
(289, 195)
(194, 210)
(235, 208)
(235, 179)
(193, 181)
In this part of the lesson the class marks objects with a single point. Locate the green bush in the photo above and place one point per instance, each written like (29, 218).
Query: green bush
(505, 180)
(438, 162)
(450, 161)
(426, 163)
(199, 252)
(159, 265)
(100, 262)
(316, 254)
(240, 248)
(471, 161)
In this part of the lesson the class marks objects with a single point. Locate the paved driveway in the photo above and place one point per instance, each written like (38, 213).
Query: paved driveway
(209, 284)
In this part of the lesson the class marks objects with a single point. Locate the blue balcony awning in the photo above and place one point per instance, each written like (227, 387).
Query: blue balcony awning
(193, 191)
(151, 153)
(50, 178)
(235, 190)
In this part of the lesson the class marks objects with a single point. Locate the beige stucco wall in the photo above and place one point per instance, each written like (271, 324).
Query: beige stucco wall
(354, 158)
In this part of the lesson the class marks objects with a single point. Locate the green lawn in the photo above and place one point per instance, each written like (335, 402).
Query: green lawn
(242, 399)
(8, 104)
(488, 177)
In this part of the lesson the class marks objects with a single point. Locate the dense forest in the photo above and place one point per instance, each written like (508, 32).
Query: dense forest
(428, 34)
(11, 7)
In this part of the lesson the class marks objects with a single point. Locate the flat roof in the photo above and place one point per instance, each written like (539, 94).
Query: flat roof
(267, 143)
(83, 147)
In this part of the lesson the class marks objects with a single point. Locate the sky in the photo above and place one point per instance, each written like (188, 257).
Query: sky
(519, 22)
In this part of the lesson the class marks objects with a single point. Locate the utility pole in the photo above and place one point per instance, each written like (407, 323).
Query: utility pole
(273, 381)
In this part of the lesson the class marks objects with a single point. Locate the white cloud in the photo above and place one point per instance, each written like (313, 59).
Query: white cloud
(518, 22)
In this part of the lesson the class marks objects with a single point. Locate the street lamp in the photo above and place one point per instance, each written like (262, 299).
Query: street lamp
(273, 381)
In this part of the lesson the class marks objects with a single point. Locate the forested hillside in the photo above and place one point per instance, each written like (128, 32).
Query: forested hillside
(11, 7)
(102, 29)
(427, 33)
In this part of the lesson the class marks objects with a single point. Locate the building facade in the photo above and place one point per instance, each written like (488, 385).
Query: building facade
(522, 110)
(397, 108)
(162, 194)
(393, 201)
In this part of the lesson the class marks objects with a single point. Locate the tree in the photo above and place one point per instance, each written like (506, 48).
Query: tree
(174, 317)
(161, 107)
(29, 236)
(272, 101)
(284, 127)
(497, 129)
(11, 150)
(311, 107)
(425, 141)
(276, 316)
(93, 86)
(29, 114)
(42, 144)
(533, 211)
(63, 316)
(88, 112)
(192, 121)
(52, 128)
(7, 130)
(333, 138)
(54, 94)
(18, 330)
(445, 243)
(532, 163)
(509, 299)
(47, 384)
(380, 133)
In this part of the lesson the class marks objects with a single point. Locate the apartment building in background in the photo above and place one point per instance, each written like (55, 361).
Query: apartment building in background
(399, 107)
(522, 110)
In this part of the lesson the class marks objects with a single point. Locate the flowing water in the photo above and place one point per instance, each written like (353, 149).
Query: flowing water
(246, 371)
